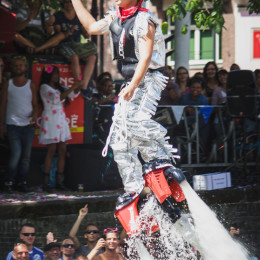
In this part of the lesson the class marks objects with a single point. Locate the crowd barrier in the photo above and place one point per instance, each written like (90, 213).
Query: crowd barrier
(206, 136)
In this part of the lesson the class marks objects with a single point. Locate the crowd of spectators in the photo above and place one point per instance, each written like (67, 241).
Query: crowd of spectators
(207, 88)
(40, 32)
(105, 245)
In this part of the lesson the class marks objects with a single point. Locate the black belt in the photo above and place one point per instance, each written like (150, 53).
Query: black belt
(161, 69)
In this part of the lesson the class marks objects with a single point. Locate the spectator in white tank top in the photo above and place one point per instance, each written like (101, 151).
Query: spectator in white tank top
(18, 113)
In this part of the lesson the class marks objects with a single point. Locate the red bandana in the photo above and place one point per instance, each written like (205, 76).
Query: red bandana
(124, 14)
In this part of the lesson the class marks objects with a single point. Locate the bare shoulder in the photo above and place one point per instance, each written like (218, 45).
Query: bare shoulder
(121, 257)
(97, 257)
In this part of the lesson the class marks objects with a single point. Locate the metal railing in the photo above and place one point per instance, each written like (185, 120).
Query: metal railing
(225, 149)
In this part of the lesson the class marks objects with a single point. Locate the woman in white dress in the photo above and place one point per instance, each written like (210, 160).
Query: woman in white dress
(54, 130)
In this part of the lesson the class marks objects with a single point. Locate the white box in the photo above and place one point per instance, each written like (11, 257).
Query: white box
(212, 181)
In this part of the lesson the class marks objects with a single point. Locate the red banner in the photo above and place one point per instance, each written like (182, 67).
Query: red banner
(74, 111)
(256, 43)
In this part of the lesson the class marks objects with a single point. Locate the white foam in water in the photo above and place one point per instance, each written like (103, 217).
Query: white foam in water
(178, 241)
(214, 240)
(170, 245)
(142, 250)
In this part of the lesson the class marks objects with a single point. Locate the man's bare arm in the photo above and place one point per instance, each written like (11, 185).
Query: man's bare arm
(21, 24)
(74, 230)
(99, 245)
(87, 20)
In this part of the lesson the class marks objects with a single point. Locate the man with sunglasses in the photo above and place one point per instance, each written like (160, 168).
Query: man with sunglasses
(67, 249)
(93, 245)
(27, 235)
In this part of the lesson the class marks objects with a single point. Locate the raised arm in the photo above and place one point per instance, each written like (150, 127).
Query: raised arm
(21, 24)
(87, 20)
(145, 46)
(74, 230)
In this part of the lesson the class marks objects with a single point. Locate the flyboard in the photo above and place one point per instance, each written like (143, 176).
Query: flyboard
(200, 229)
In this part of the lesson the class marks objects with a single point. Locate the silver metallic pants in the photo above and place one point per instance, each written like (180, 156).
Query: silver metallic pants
(133, 130)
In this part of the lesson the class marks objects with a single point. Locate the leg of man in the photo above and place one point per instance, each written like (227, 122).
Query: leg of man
(52, 42)
(129, 166)
(88, 70)
(15, 145)
(75, 66)
(134, 130)
(27, 139)
(66, 50)
(155, 146)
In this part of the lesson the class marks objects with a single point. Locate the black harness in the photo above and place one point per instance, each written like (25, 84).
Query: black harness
(124, 44)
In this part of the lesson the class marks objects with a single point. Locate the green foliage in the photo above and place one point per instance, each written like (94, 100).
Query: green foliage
(184, 29)
(164, 27)
(253, 6)
(48, 4)
(205, 17)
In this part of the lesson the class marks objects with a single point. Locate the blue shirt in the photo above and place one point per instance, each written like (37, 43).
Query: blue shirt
(35, 254)
(200, 100)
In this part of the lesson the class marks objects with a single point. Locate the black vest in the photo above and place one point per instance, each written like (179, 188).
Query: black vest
(124, 44)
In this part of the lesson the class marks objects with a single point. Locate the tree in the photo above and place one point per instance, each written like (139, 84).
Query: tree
(207, 13)
(48, 4)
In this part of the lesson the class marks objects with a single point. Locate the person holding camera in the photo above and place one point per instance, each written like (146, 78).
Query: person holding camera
(112, 244)
(94, 243)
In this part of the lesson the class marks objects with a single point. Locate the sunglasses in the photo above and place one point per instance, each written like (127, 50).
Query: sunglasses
(110, 229)
(92, 231)
(68, 245)
(29, 234)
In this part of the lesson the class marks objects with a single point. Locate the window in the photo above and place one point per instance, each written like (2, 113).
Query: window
(201, 46)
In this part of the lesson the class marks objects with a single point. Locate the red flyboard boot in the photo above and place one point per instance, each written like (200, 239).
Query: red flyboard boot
(174, 177)
(155, 177)
(127, 213)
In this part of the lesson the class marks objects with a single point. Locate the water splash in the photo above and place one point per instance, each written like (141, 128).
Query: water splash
(198, 230)
(168, 244)
(214, 240)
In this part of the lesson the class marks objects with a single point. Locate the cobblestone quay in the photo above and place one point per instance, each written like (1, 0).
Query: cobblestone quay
(240, 205)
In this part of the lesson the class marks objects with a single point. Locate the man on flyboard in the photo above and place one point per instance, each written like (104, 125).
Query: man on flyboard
(137, 41)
